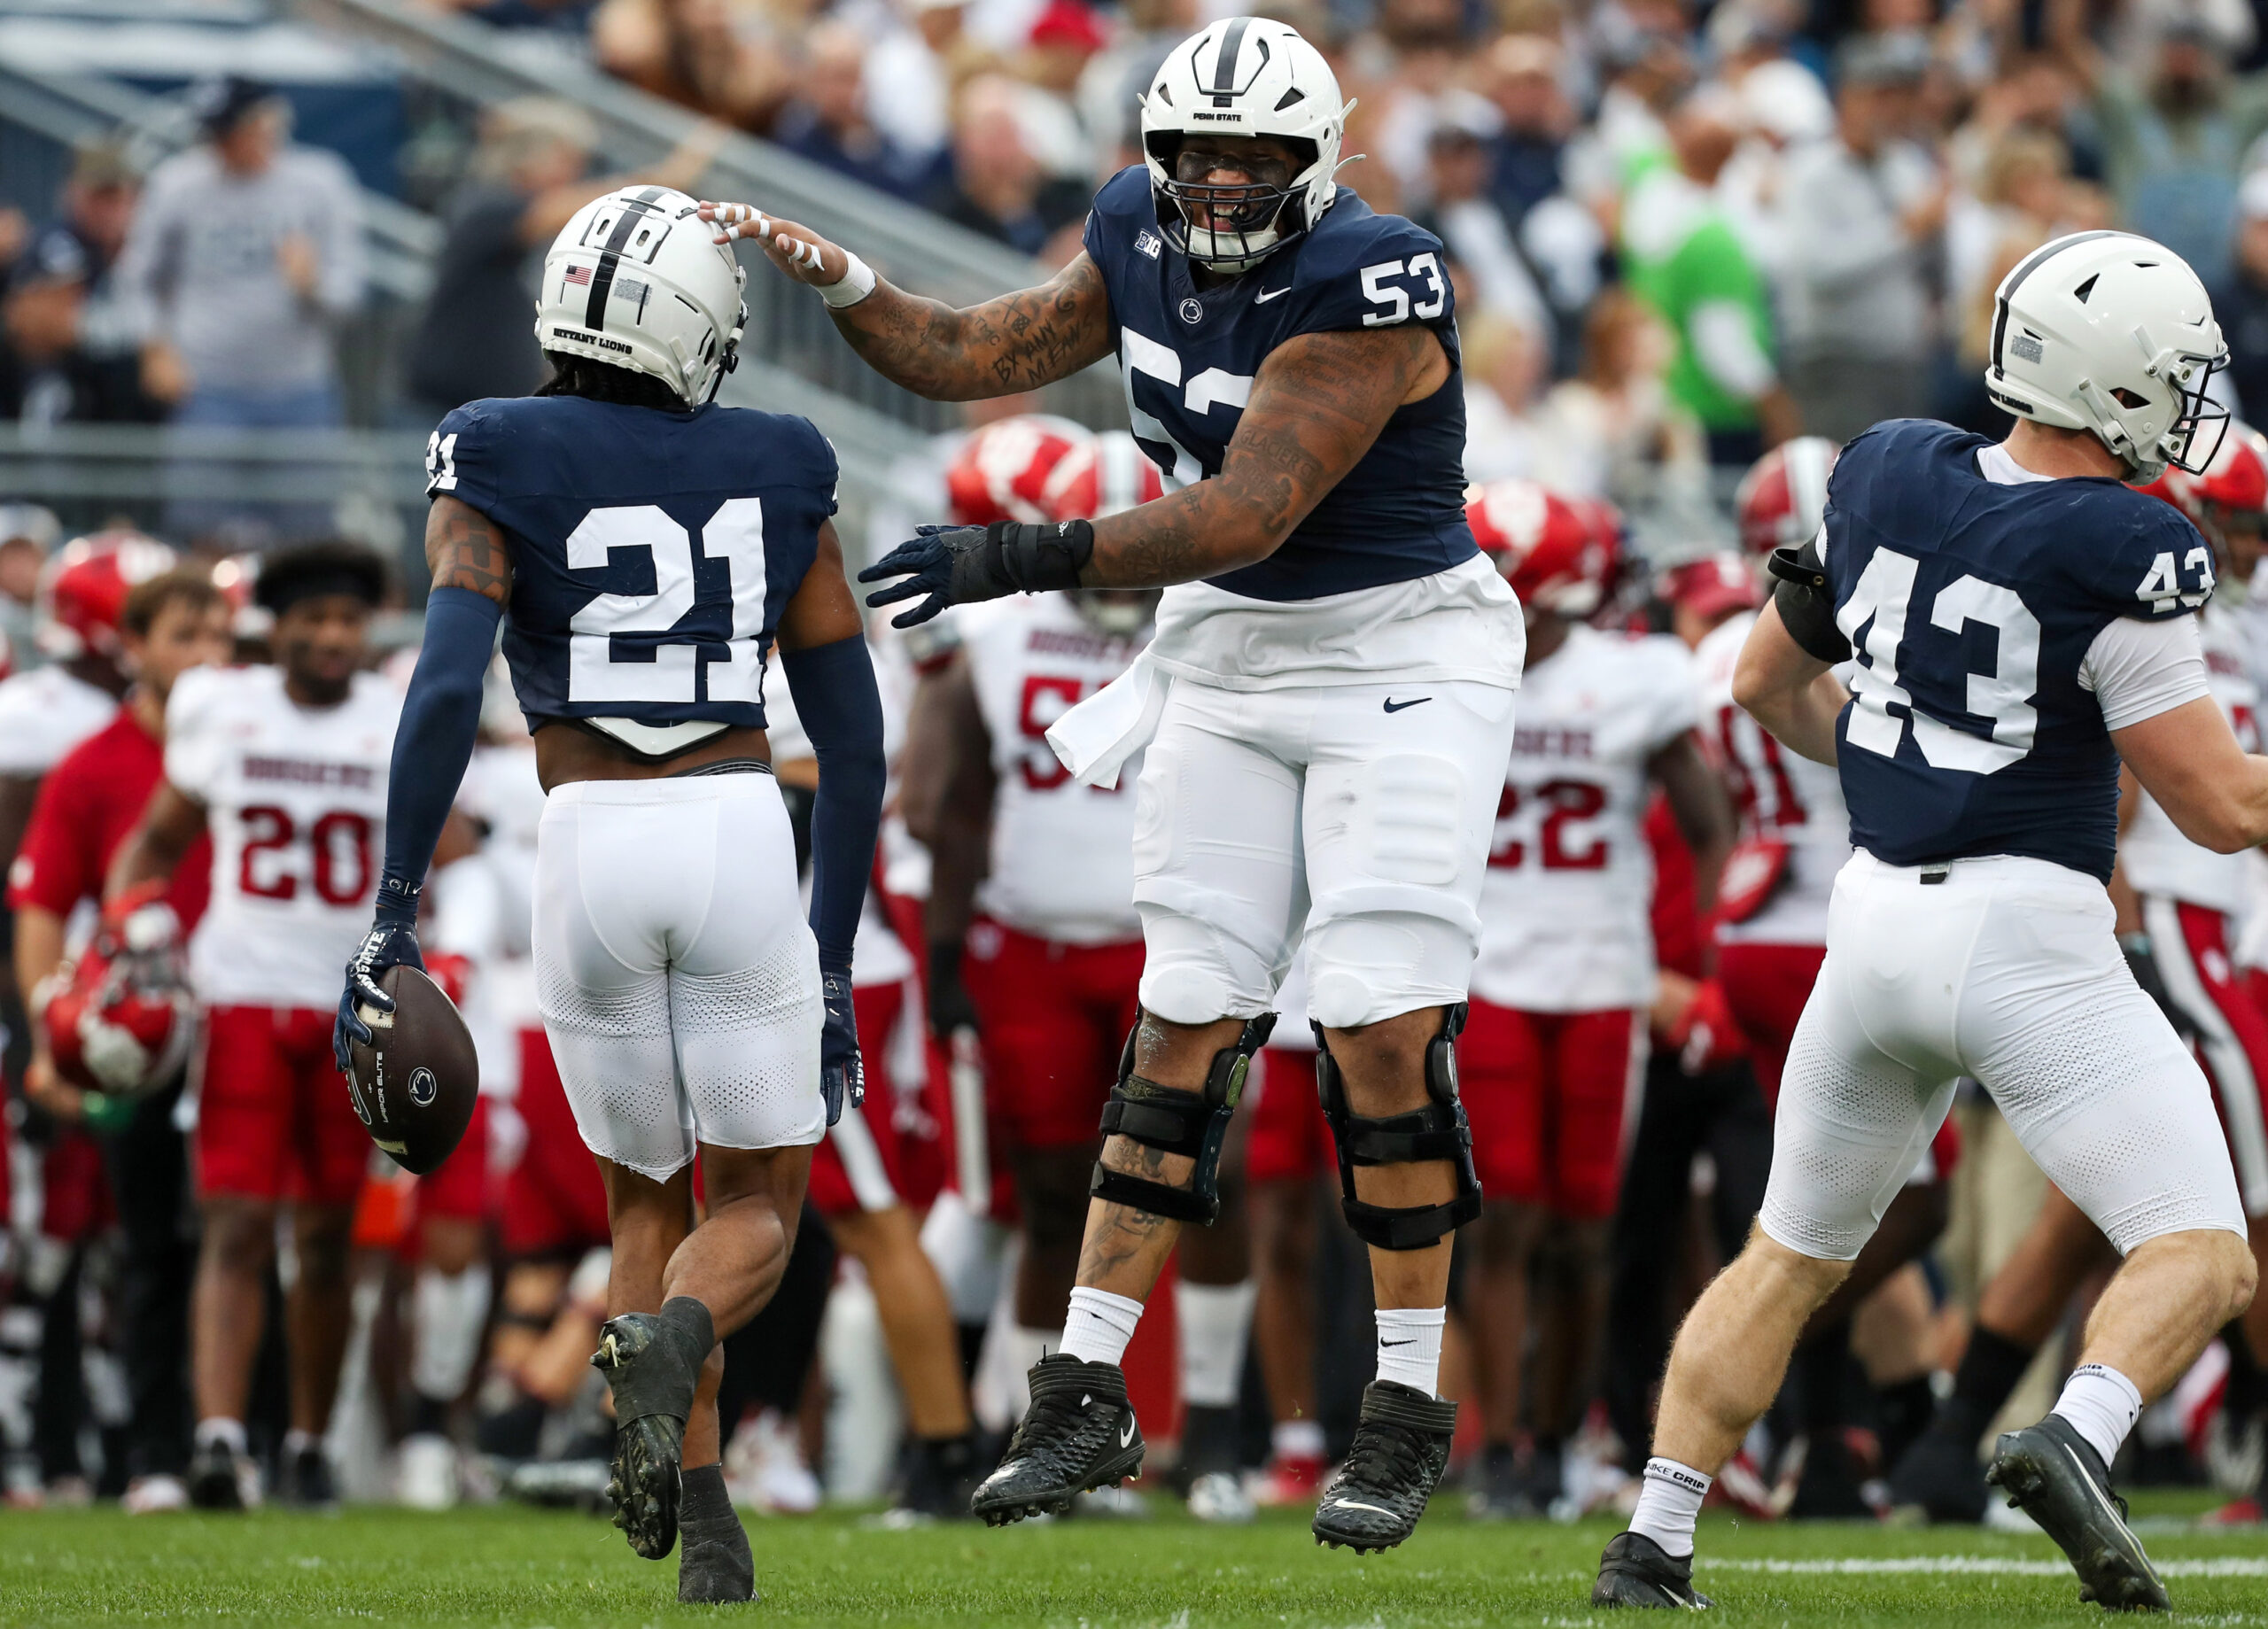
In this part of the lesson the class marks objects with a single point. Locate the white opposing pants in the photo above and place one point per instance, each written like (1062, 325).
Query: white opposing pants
(677, 980)
(2007, 969)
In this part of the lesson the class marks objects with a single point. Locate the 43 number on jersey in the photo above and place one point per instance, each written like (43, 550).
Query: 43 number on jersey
(1880, 605)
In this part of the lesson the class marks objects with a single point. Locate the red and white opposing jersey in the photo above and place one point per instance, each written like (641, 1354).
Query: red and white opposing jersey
(296, 801)
(1564, 924)
(2153, 853)
(1062, 853)
(44, 714)
(1781, 796)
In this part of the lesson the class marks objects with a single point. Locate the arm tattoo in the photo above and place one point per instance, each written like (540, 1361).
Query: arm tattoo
(1319, 402)
(1018, 342)
(464, 549)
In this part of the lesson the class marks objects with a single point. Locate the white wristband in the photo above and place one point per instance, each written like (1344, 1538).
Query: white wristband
(857, 282)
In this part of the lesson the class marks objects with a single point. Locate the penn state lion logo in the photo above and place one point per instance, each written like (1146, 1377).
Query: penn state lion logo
(424, 1087)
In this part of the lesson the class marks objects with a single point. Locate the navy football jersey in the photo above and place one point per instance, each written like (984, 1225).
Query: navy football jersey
(1190, 355)
(1971, 606)
(652, 551)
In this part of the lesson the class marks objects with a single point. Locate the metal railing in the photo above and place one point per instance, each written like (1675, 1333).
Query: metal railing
(923, 252)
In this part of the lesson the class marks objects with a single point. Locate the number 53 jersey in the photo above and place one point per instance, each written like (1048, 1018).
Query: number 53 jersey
(295, 798)
(652, 551)
(2000, 622)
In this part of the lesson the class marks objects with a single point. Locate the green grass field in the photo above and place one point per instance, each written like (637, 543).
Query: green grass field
(509, 1566)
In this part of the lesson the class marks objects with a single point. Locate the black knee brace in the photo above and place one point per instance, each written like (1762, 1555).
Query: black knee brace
(1438, 1131)
(1174, 1121)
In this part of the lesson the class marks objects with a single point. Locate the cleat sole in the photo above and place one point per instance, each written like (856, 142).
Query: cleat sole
(1113, 1472)
(644, 1486)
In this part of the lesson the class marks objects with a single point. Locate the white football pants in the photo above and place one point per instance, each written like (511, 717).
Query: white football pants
(678, 979)
(2007, 969)
(1358, 815)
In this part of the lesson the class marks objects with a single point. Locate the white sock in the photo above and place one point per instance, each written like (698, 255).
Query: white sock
(229, 1433)
(1669, 1500)
(1410, 1347)
(1215, 1321)
(1099, 1325)
(1296, 1439)
(299, 1442)
(2102, 1405)
(451, 1309)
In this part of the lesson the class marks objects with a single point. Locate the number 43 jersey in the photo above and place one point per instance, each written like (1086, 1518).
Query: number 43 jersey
(295, 798)
(652, 551)
(1997, 621)
(1191, 354)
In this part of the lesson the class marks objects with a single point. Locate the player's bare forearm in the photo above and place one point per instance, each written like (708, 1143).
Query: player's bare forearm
(1791, 692)
(1018, 342)
(956, 815)
(465, 549)
(39, 952)
(154, 850)
(1318, 403)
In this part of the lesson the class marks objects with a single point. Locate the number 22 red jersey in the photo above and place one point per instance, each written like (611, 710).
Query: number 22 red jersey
(296, 800)
(1563, 924)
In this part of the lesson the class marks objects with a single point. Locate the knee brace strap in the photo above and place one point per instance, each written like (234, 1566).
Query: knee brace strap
(1191, 1124)
(1438, 1131)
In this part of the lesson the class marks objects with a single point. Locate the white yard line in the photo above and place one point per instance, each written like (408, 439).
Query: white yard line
(2208, 1567)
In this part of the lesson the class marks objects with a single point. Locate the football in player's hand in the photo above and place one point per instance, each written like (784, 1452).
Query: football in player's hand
(416, 1082)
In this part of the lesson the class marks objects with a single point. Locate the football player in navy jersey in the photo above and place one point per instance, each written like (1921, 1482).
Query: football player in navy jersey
(644, 549)
(2021, 621)
(1326, 705)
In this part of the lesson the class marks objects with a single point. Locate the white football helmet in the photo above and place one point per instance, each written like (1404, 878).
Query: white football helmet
(2111, 333)
(1243, 76)
(637, 279)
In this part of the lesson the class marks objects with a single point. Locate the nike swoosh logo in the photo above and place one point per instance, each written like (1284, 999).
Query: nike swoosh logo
(1357, 1504)
(1265, 295)
(1410, 1342)
(1393, 706)
(1127, 1435)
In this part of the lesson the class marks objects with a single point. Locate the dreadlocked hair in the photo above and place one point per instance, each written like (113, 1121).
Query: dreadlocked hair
(581, 376)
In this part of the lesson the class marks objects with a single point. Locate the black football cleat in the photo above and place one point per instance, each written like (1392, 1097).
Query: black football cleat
(2054, 1475)
(306, 1482)
(653, 1372)
(1939, 1480)
(1079, 1433)
(1401, 1447)
(214, 1483)
(1636, 1571)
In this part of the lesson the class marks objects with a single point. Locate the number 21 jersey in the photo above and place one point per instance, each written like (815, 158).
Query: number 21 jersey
(295, 798)
(652, 551)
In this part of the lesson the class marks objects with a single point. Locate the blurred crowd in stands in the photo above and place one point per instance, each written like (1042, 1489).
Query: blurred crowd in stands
(1680, 234)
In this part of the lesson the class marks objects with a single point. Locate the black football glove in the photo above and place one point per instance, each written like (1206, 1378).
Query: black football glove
(841, 1073)
(2142, 962)
(951, 1008)
(387, 944)
(961, 565)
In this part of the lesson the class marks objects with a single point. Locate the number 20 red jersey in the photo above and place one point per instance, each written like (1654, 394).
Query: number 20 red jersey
(1563, 924)
(1062, 853)
(296, 801)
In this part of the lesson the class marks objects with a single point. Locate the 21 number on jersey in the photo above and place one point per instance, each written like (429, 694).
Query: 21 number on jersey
(628, 647)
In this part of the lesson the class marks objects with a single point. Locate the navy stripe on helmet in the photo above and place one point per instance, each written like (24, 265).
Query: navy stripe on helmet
(618, 240)
(2024, 268)
(1225, 65)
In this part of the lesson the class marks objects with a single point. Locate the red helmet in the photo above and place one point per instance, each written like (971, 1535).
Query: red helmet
(1110, 473)
(2235, 483)
(1784, 495)
(82, 590)
(1555, 551)
(123, 1021)
(1002, 471)
(1715, 586)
